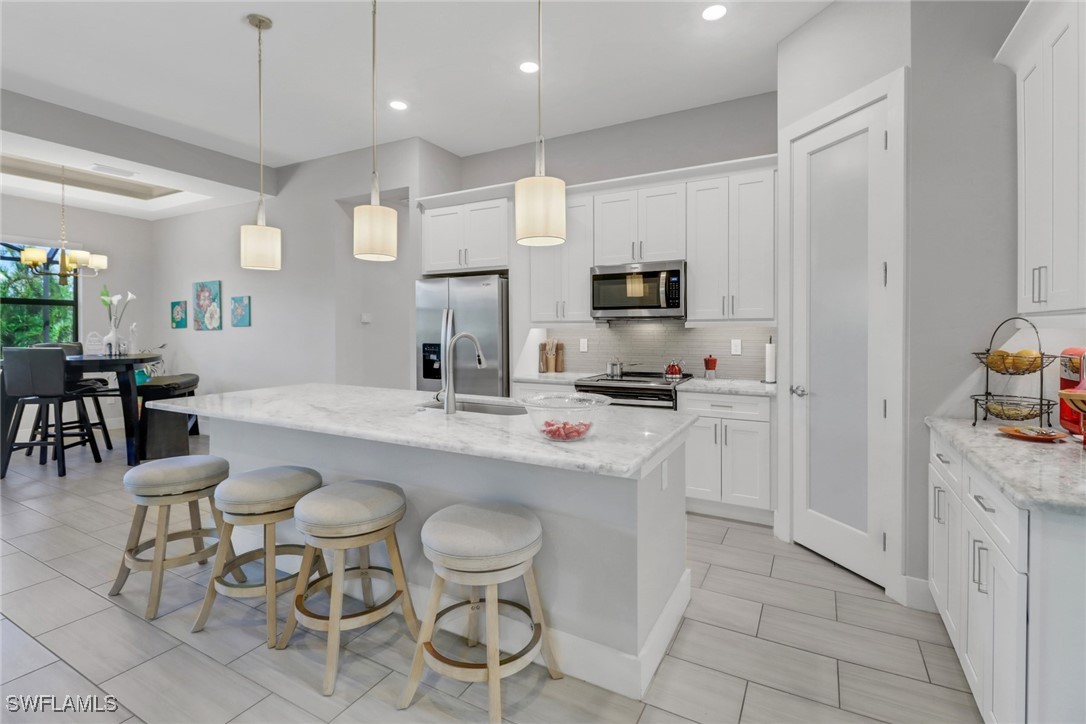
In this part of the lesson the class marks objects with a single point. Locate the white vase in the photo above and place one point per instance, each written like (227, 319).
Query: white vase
(111, 342)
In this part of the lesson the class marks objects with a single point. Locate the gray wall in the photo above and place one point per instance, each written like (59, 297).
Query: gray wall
(721, 132)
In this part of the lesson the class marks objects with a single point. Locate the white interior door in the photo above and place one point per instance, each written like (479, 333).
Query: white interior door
(847, 337)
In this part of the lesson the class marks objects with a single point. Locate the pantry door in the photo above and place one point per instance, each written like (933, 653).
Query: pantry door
(847, 331)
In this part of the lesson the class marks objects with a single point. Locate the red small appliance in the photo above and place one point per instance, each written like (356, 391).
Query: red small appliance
(1071, 375)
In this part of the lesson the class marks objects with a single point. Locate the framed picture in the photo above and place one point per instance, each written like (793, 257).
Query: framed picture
(207, 305)
(239, 312)
(179, 314)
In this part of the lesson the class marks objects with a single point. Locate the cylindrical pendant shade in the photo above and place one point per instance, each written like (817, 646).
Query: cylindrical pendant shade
(374, 233)
(261, 247)
(540, 208)
(80, 257)
(32, 256)
(99, 262)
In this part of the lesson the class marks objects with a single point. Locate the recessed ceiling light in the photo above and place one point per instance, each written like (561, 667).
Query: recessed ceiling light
(714, 12)
(529, 66)
(397, 105)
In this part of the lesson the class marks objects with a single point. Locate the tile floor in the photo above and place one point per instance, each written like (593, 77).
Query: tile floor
(773, 633)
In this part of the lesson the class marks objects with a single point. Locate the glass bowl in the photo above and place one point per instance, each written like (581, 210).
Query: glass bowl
(564, 417)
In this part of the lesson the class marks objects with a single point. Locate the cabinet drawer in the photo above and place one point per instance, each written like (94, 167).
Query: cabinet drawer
(732, 407)
(947, 461)
(1007, 524)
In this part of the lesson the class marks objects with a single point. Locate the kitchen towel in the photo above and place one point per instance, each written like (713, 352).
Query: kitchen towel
(770, 362)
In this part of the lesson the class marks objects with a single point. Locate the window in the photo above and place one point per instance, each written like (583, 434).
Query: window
(35, 308)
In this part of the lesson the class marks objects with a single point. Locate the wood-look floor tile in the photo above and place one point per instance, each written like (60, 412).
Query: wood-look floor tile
(20, 653)
(91, 567)
(176, 592)
(769, 706)
(532, 697)
(696, 692)
(23, 523)
(22, 491)
(183, 685)
(59, 680)
(20, 571)
(766, 662)
(719, 609)
(698, 569)
(829, 577)
(273, 710)
(736, 558)
(92, 516)
(774, 591)
(944, 668)
(8, 506)
(107, 643)
(652, 715)
(61, 502)
(749, 540)
(45, 606)
(233, 629)
(711, 530)
(378, 706)
(54, 542)
(899, 699)
(390, 644)
(892, 618)
(843, 641)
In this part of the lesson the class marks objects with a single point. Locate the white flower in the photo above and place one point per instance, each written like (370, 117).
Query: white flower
(131, 296)
(211, 316)
(115, 299)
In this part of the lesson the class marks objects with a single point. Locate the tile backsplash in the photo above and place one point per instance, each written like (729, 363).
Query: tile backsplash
(653, 344)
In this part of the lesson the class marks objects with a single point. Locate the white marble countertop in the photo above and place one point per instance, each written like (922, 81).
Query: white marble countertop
(621, 443)
(729, 387)
(551, 378)
(1043, 475)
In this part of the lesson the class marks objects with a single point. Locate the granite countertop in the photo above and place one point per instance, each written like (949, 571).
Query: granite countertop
(1040, 475)
(623, 440)
(551, 378)
(729, 387)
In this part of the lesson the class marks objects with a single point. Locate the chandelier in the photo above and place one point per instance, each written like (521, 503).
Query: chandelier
(73, 263)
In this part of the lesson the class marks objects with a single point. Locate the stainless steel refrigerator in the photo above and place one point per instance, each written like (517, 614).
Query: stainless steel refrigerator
(446, 306)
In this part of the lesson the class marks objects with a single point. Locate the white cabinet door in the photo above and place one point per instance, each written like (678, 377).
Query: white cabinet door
(576, 270)
(546, 283)
(1034, 179)
(707, 249)
(752, 244)
(1006, 683)
(661, 212)
(443, 239)
(975, 644)
(703, 459)
(487, 234)
(955, 584)
(938, 540)
(745, 463)
(615, 227)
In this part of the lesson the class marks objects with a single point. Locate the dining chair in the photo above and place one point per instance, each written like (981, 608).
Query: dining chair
(93, 388)
(36, 377)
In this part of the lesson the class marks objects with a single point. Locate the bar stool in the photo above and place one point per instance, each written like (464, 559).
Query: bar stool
(483, 544)
(164, 483)
(338, 518)
(258, 497)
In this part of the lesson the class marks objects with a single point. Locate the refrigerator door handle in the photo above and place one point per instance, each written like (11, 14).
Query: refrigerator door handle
(446, 321)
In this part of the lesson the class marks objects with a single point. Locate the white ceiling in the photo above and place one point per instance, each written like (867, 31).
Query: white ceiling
(187, 70)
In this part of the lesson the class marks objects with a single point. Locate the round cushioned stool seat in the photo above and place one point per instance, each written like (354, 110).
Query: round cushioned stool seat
(482, 536)
(173, 476)
(352, 508)
(266, 490)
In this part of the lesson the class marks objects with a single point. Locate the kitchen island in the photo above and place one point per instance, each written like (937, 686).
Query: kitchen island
(612, 571)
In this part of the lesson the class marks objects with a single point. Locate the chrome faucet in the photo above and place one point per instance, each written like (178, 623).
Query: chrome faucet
(450, 388)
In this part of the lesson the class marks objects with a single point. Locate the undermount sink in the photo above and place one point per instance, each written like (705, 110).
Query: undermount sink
(483, 408)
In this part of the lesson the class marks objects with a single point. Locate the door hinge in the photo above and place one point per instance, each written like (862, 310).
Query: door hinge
(886, 140)
(885, 273)
(883, 542)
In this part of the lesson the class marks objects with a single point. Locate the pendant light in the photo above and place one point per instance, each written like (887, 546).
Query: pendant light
(261, 245)
(540, 200)
(374, 225)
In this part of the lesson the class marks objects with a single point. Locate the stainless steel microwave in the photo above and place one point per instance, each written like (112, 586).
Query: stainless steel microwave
(639, 291)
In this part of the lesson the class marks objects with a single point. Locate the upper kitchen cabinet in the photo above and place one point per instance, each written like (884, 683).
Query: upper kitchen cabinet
(731, 242)
(561, 289)
(1047, 54)
(640, 225)
(467, 237)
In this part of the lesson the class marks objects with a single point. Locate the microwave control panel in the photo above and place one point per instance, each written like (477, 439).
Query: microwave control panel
(673, 291)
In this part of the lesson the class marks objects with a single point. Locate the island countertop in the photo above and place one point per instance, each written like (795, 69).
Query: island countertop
(623, 440)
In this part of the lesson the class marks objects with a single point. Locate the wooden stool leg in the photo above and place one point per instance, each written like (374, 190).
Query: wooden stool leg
(158, 567)
(238, 574)
(35, 430)
(536, 607)
(473, 617)
(335, 613)
(493, 654)
(194, 520)
(304, 572)
(43, 455)
(437, 585)
(269, 580)
(221, 556)
(85, 426)
(138, 517)
(398, 574)
(322, 567)
(102, 422)
(367, 582)
(58, 440)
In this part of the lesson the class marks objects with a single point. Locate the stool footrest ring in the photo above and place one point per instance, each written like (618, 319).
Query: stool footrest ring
(348, 621)
(252, 590)
(134, 562)
(474, 671)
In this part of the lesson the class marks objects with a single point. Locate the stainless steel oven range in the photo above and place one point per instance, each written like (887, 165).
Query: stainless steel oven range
(635, 389)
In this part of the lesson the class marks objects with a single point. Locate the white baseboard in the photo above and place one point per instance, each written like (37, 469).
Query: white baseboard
(918, 595)
(659, 638)
(726, 510)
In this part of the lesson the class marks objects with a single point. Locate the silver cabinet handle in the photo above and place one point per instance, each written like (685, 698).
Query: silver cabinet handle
(556, 309)
(733, 305)
(724, 306)
(1042, 285)
(633, 250)
(1033, 282)
(725, 434)
(723, 407)
(973, 575)
(563, 310)
(642, 253)
(981, 585)
(798, 390)
(939, 492)
(460, 257)
(466, 257)
(942, 458)
(983, 505)
(935, 505)
(716, 431)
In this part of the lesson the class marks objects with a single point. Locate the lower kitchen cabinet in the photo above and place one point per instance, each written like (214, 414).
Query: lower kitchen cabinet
(728, 459)
(944, 551)
(703, 459)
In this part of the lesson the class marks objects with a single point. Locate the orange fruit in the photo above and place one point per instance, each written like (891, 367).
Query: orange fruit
(997, 360)
(1025, 360)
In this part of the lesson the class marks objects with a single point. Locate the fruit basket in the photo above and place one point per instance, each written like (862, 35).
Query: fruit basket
(564, 417)
(1023, 362)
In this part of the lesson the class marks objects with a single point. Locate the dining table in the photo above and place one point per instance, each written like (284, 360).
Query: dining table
(123, 366)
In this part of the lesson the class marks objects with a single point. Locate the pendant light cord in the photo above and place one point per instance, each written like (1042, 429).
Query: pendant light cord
(540, 158)
(63, 214)
(375, 190)
(260, 116)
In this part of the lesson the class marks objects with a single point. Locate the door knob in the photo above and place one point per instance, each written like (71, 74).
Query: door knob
(798, 390)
